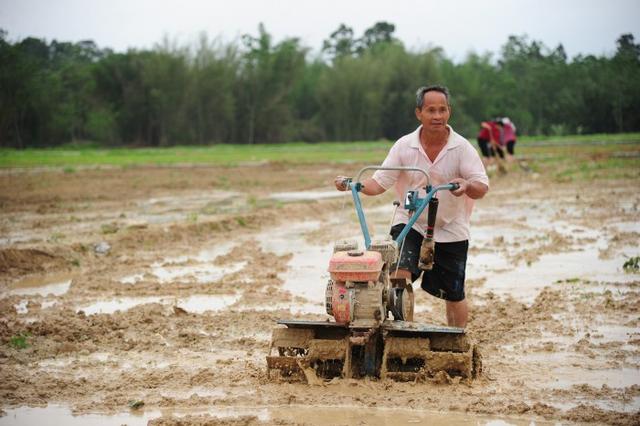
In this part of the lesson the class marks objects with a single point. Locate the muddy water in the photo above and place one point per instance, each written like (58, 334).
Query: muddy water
(305, 195)
(195, 304)
(307, 273)
(55, 415)
(524, 282)
(43, 285)
(203, 273)
(320, 416)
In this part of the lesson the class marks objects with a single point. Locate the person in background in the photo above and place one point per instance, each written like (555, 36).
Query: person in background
(509, 137)
(484, 139)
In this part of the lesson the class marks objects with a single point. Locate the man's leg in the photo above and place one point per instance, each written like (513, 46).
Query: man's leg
(457, 313)
(446, 280)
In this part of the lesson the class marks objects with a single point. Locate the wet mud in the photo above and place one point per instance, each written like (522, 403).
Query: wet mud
(150, 295)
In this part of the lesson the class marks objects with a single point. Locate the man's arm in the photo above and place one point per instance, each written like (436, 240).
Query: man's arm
(474, 189)
(369, 186)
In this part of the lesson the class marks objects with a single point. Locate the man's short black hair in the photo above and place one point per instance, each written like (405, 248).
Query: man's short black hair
(433, 88)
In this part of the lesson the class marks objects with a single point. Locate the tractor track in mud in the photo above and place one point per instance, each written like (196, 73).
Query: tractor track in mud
(178, 310)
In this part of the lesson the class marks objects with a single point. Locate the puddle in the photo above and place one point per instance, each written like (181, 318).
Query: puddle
(172, 209)
(614, 333)
(42, 285)
(131, 279)
(21, 307)
(57, 363)
(198, 304)
(576, 261)
(625, 226)
(7, 241)
(120, 304)
(204, 273)
(290, 414)
(307, 274)
(389, 417)
(48, 303)
(525, 282)
(197, 390)
(613, 377)
(195, 304)
(56, 415)
(294, 308)
(199, 267)
(566, 367)
(305, 195)
(483, 263)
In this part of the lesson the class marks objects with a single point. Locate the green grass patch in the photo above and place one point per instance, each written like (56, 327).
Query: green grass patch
(593, 138)
(19, 341)
(566, 163)
(632, 264)
(71, 156)
(224, 155)
(564, 158)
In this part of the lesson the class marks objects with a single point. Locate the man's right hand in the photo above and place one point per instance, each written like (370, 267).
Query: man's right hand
(342, 183)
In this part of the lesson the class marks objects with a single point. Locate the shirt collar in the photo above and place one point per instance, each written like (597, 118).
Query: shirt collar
(452, 142)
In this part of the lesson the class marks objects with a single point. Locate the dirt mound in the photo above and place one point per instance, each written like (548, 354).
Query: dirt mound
(13, 261)
(590, 414)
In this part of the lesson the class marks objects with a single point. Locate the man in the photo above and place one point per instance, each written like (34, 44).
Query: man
(447, 157)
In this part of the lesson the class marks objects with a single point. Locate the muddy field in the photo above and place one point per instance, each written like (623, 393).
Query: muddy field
(148, 295)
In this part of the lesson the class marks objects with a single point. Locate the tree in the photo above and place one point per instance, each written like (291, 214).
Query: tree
(340, 43)
(268, 74)
(381, 32)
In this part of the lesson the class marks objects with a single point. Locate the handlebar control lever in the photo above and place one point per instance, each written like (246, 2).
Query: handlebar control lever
(427, 249)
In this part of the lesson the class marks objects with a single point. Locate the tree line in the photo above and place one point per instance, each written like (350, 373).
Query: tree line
(257, 90)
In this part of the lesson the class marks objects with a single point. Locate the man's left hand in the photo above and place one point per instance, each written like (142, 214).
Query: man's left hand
(463, 186)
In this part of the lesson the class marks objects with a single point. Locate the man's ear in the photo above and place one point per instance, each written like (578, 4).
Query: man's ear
(417, 111)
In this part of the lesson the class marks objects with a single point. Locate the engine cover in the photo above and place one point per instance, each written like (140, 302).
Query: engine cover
(357, 266)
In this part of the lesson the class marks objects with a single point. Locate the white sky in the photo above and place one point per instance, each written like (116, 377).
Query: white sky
(459, 26)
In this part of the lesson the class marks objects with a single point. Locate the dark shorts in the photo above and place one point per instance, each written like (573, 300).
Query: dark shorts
(446, 279)
(484, 147)
(511, 147)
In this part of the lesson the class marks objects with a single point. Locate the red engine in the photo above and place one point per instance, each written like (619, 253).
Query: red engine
(352, 271)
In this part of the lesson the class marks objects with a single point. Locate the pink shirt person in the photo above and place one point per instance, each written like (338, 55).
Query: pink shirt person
(509, 133)
(457, 159)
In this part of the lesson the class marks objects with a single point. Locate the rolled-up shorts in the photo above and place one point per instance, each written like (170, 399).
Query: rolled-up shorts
(446, 279)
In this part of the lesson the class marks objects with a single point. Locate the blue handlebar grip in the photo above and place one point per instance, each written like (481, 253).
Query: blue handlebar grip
(454, 186)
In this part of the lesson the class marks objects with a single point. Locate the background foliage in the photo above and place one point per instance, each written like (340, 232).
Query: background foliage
(257, 90)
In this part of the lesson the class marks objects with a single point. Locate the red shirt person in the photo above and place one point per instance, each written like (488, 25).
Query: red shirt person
(509, 135)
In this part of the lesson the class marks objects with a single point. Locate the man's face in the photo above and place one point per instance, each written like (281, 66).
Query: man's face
(435, 111)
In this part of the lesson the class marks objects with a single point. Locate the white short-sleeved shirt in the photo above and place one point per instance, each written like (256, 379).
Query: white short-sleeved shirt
(458, 159)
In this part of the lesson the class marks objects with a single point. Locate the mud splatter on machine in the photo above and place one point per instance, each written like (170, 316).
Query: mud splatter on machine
(372, 332)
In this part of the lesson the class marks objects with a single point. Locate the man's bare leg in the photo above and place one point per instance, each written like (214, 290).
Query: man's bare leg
(457, 313)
